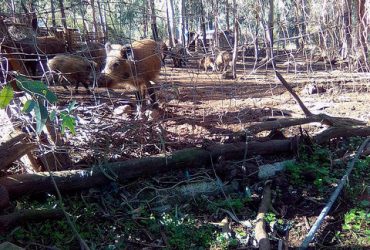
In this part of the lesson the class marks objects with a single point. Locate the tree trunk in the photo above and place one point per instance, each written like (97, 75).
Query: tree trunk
(153, 21)
(172, 21)
(203, 26)
(52, 6)
(169, 24)
(216, 37)
(62, 13)
(102, 23)
(363, 30)
(347, 41)
(145, 18)
(182, 22)
(96, 26)
(227, 15)
(270, 31)
(236, 36)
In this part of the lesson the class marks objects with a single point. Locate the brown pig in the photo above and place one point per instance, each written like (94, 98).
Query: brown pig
(95, 52)
(71, 69)
(223, 60)
(206, 62)
(136, 64)
(163, 50)
(36, 51)
(177, 53)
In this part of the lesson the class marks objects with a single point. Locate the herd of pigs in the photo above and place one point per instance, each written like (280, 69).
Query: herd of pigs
(135, 64)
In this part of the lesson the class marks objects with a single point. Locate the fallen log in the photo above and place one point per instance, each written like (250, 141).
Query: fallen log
(23, 184)
(13, 149)
(310, 117)
(343, 132)
(24, 216)
(287, 122)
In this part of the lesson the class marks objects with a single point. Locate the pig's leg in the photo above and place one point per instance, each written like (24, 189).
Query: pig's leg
(152, 96)
(139, 104)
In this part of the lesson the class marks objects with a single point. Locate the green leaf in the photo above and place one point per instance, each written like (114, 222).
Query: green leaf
(71, 105)
(6, 95)
(41, 114)
(28, 106)
(36, 87)
(68, 122)
(52, 115)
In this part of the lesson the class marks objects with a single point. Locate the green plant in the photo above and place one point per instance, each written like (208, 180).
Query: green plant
(356, 219)
(39, 96)
(184, 232)
(237, 204)
(314, 165)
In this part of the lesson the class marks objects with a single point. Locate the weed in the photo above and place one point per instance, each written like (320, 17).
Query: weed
(314, 166)
(236, 204)
(184, 232)
(356, 226)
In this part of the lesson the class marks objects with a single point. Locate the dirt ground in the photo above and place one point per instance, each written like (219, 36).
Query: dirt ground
(198, 108)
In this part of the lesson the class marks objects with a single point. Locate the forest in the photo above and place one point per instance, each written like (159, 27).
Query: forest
(178, 124)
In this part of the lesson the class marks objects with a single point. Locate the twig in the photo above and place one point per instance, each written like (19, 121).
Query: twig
(332, 198)
(260, 231)
(291, 91)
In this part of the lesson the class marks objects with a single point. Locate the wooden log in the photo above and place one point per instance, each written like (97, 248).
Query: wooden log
(23, 184)
(13, 149)
(21, 217)
(260, 231)
(287, 122)
(343, 132)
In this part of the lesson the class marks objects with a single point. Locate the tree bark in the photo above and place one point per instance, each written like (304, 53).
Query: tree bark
(169, 24)
(182, 22)
(14, 149)
(347, 43)
(153, 21)
(236, 37)
(102, 23)
(203, 26)
(52, 7)
(96, 26)
(24, 184)
(63, 14)
(260, 231)
(9, 221)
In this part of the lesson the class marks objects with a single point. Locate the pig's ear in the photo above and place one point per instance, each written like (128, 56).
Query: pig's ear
(127, 53)
(108, 47)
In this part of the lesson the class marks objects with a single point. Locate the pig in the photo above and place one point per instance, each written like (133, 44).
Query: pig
(37, 50)
(162, 46)
(206, 62)
(136, 64)
(223, 60)
(95, 52)
(71, 69)
(177, 53)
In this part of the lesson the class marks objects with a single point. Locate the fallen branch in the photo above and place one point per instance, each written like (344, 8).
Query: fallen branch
(332, 198)
(23, 184)
(22, 217)
(295, 96)
(283, 123)
(260, 231)
(13, 149)
(343, 132)
(288, 122)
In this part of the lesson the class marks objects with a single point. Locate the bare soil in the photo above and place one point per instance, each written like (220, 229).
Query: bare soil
(200, 107)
